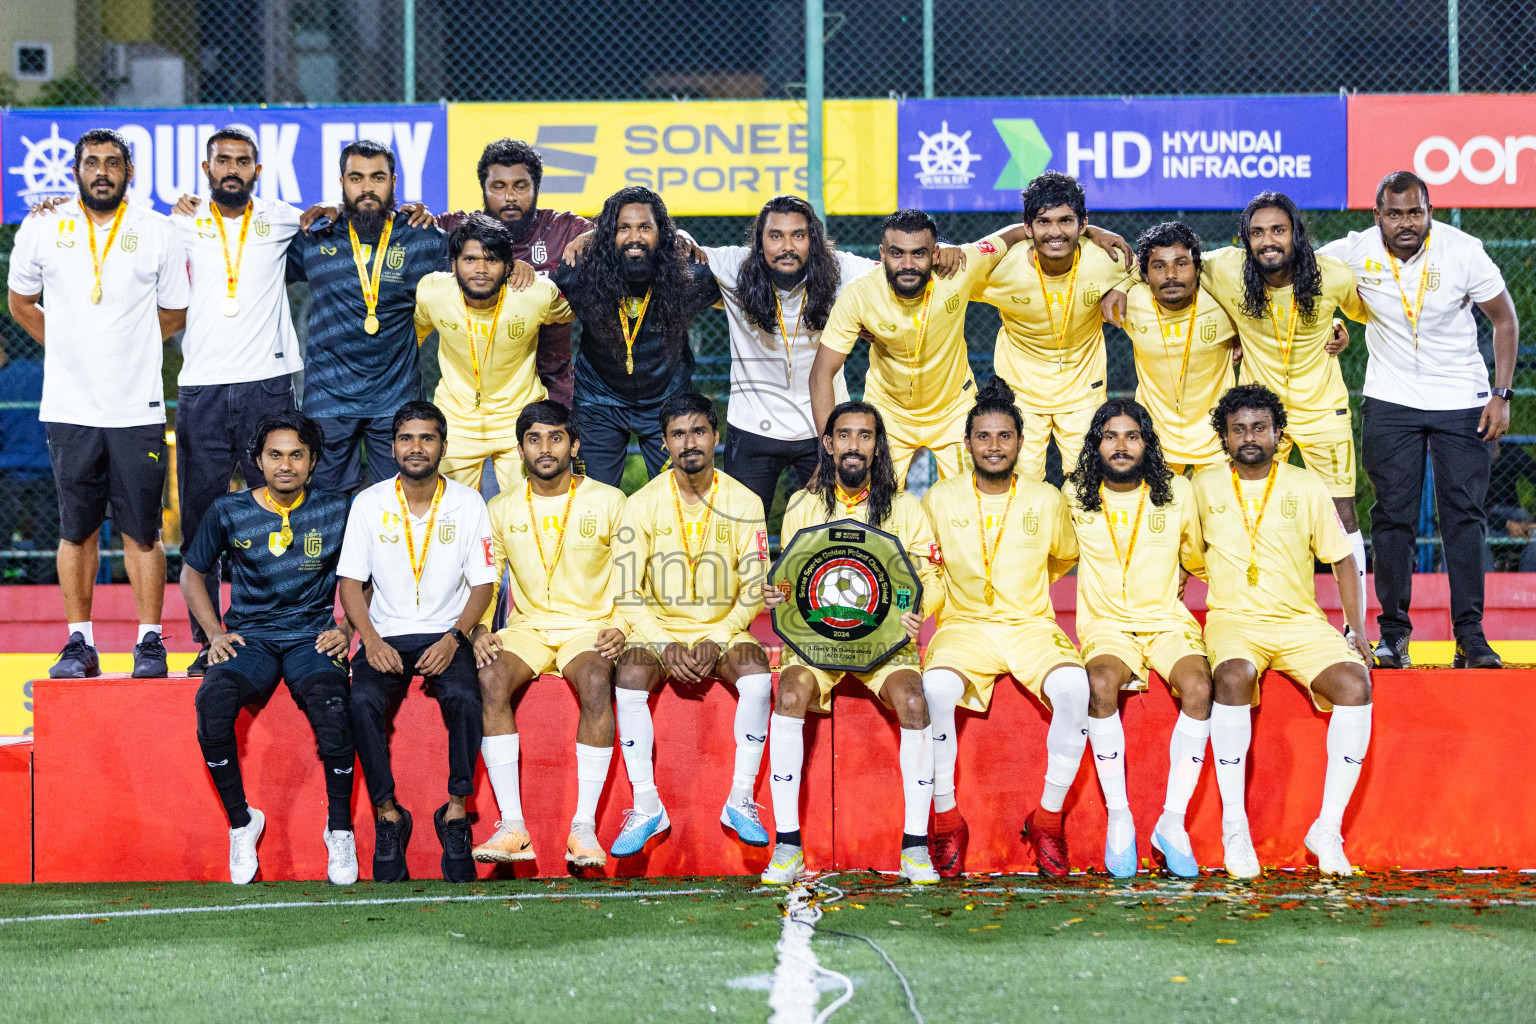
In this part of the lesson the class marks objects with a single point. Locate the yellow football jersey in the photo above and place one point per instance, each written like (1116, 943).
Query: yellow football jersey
(509, 378)
(907, 521)
(1182, 369)
(1141, 594)
(1050, 348)
(1299, 522)
(561, 567)
(1307, 379)
(913, 383)
(1037, 546)
(726, 541)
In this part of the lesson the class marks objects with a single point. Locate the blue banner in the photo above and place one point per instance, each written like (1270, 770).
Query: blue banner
(300, 147)
(1130, 154)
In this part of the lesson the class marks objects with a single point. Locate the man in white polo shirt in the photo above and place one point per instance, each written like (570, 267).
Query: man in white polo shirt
(1426, 387)
(425, 543)
(115, 278)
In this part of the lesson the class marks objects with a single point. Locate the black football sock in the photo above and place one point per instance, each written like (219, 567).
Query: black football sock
(223, 760)
(791, 838)
(338, 792)
(908, 841)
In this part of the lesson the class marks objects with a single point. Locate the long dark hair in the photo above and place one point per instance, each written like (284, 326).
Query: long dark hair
(1306, 279)
(1089, 473)
(600, 271)
(882, 471)
(755, 287)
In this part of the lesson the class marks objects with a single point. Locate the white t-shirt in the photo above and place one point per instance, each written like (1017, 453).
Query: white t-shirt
(458, 558)
(771, 390)
(101, 360)
(258, 341)
(1446, 371)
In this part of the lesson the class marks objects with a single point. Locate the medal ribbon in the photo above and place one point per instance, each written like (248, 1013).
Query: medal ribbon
(1124, 561)
(285, 534)
(682, 531)
(1285, 342)
(1413, 312)
(988, 555)
(920, 324)
(1189, 339)
(410, 539)
(1253, 531)
(370, 284)
(232, 268)
(850, 501)
(788, 336)
(533, 524)
(1066, 315)
(98, 262)
(490, 338)
(630, 336)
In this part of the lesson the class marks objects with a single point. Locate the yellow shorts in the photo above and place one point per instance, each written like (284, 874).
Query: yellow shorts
(1327, 449)
(663, 636)
(904, 660)
(1302, 648)
(465, 461)
(982, 651)
(1158, 651)
(1069, 429)
(945, 439)
(544, 649)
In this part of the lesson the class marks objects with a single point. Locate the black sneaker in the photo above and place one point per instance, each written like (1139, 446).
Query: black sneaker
(199, 666)
(1392, 652)
(390, 839)
(78, 660)
(149, 658)
(458, 862)
(1474, 652)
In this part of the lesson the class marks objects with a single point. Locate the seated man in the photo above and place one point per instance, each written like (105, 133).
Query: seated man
(856, 480)
(283, 541)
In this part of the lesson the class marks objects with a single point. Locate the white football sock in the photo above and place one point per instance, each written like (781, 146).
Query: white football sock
(754, 697)
(1186, 756)
(786, 762)
(1231, 734)
(591, 773)
(1357, 542)
(1349, 735)
(85, 629)
(638, 736)
(1067, 738)
(942, 689)
(500, 754)
(916, 759)
(1108, 738)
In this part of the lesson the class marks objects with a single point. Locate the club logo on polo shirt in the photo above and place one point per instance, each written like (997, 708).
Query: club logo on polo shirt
(538, 253)
(394, 257)
(588, 527)
(722, 533)
(516, 327)
(1091, 295)
(313, 543)
(952, 303)
(446, 532)
(1208, 331)
(1288, 506)
(1157, 521)
(66, 239)
(263, 226)
(1031, 522)
(205, 228)
(130, 242)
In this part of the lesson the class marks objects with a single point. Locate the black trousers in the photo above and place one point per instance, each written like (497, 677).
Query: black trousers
(758, 461)
(1394, 440)
(214, 425)
(341, 462)
(605, 431)
(376, 697)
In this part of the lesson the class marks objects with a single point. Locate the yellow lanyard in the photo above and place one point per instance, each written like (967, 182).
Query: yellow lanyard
(627, 312)
(682, 531)
(919, 324)
(788, 336)
(410, 540)
(370, 284)
(1253, 531)
(278, 541)
(231, 305)
(850, 501)
(533, 524)
(989, 555)
(1285, 342)
(1189, 338)
(1413, 312)
(490, 338)
(1124, 561)
(97, 262)
(1066, 314)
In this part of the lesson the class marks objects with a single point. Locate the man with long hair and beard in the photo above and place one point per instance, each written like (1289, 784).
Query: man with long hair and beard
(1003, 537)
(636, 294)
(1138, 539)
(856, 480)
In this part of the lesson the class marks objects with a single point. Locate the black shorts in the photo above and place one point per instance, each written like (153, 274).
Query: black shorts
(95, 466)
(262, 663)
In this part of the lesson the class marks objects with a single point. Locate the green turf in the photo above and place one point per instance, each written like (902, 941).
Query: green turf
(988, 949)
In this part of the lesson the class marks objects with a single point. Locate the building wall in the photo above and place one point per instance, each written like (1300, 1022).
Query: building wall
(44, 21)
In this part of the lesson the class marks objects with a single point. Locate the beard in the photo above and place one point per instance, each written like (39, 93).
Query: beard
(1122, 476)
(477, 294)
(522, 226)
(917, 290)
(101, 205)
(1247, 458)
(561, 465)
(852, 477)
(638, 269)
(1001, 476)
(786, 280)
(427, 471)
(370, 221)
(231, 198)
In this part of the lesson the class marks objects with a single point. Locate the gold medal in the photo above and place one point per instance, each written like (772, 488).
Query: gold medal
(989, 555)
(279, 540)
(565, 519)
(417, 568)
(100, 261)
(1253, 529)
(369, 284)
(96, 292)
(988, 593)
(632, 310)
(682, 530)
(1050, 307)
(1414, 311)
(920, 325)
(371, 324)
(1253, 574)
(490, 337)
(230, 306)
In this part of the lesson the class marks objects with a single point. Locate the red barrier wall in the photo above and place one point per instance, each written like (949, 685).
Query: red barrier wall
(16, 812)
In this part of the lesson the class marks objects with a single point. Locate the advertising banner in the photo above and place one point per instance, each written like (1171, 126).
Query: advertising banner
(299, 146)
(1130, 154)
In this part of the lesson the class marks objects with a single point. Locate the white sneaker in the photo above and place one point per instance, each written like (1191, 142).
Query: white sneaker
(785, 866)
(341, 856)
(1329, 847)
(242, 848)
(1242, 861)
(917, 867)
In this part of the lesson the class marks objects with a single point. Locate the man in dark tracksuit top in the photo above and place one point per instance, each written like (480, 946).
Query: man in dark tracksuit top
(636, 294)
(355, 379)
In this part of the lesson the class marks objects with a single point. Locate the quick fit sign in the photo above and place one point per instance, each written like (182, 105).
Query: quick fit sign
(1130, 154)
(299, 151)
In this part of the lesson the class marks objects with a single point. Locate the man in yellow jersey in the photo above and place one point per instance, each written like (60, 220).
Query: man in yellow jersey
(919, 373)
(1050, 348)
(1263, 522)
(554, 535)
(1138, 538)
(691, 555)
(487, 325)
(1184, 343)
(1002, 539)
(855, 479)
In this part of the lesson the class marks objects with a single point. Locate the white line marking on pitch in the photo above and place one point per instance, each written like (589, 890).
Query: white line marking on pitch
(1341, 896)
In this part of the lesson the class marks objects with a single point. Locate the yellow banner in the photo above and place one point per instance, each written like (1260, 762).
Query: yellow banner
(709, 157)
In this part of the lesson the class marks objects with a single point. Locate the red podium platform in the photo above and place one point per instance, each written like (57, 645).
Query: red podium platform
(16, 812)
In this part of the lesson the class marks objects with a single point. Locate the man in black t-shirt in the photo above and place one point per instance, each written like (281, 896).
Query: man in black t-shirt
(283, 542)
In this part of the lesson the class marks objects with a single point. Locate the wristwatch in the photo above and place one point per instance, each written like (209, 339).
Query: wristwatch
(458, 634)
(1507, 394)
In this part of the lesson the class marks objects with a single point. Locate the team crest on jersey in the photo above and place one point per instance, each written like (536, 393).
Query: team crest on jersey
(130, 242)
(952, 303)
(692, 531)
(205, 228)
(1117, 517)
(1253, 507)
(516, 327)
(1434, 279)
(313, 543)
(1208, 331)
(446, 532)
(538, 252)
(1288, 506)
(1157, 521)
(991, 522)
(550, 526)
(276, 544)
(391, 520)
(394, 257)
(263, 226)
(66, 227)
(1173, 331)
(1372, 267)
(722, 533)
(1031, 522)
(1053, 299)
(588, 527)
(1092, 295)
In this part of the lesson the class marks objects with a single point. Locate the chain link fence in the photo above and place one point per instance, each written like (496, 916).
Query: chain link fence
(176, 52)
